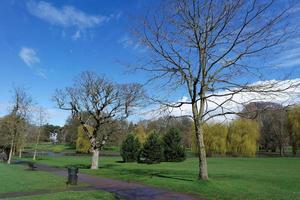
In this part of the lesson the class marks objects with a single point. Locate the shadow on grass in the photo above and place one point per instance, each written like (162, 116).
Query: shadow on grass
(80, 166)
(170, 177)
(108, 166)
(148, 173)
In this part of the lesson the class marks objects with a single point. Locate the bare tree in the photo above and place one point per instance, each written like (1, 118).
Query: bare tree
(279, 124)
(103, 101)
(41, 116)
(21, 105)
(203, 49)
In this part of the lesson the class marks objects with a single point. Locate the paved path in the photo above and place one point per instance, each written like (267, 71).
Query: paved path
(123, 189)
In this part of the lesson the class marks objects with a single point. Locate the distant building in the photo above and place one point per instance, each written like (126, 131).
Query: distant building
(53, 137)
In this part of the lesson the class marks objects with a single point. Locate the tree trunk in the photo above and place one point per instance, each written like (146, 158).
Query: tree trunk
(203, 174)
(281, 150)
(36, 145)
(34, 155)
(95, 159)
(20, 152)
(10, 151)
(294, 149)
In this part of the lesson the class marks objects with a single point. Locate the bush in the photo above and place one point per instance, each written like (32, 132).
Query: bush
(130, 148)
(172, 148)
(83, 144)
(152, 150)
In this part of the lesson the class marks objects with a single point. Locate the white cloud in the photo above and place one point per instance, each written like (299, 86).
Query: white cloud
(77, 35)
(29, 56)
(129, 43)
(288, 97)
(67, 16)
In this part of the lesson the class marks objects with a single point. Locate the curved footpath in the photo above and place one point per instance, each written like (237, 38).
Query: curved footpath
(123, 189)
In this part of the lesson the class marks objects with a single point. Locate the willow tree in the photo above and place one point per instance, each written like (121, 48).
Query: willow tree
(103, 101)
(242, 137)
(294, 128)
(206, 50)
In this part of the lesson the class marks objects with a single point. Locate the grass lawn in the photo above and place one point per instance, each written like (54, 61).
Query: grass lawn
(49, 147)
(90, 195)
(230, 178)
(15, 178)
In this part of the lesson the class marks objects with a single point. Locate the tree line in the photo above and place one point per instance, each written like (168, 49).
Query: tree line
(204, 50)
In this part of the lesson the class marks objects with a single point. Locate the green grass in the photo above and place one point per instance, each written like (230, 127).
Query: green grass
(112, 148)
(56, 148)
(15, 178)
(230, 178)
(90, 195)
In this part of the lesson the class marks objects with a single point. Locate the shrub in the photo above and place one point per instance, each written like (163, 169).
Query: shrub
(172, 148)
(130, 148)
(152, 150)
(83, 144)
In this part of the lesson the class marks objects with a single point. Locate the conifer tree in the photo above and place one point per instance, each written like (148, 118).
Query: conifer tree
(130, 148)
(152, 150)
(172, 148)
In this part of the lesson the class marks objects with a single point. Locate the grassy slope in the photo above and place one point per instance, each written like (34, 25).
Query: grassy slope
(230, 178)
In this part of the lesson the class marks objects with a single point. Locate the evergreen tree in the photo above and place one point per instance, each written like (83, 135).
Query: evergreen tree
(173, 150)
(130, 148)
(152, 150)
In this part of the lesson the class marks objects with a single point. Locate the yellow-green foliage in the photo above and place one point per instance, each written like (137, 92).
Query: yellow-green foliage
(242, 137)
(294, 128)
(83, 144)
(140, 133)
(215, 136)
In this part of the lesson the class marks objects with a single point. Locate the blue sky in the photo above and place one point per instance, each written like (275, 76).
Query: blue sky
(44, 44)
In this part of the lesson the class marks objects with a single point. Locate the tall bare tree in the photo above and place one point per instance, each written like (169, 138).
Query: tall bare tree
(41, 117)
(103, 101)
(205, 50)
(21, 105)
